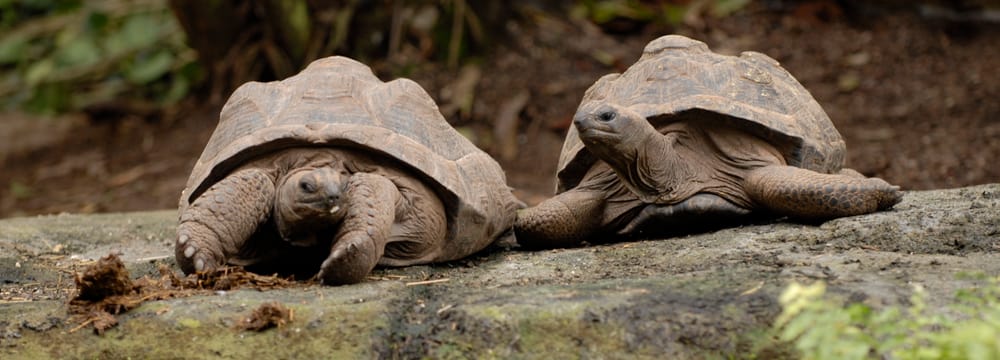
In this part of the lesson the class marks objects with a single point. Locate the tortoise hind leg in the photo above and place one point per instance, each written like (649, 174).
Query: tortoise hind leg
(218, 224)
(360, 242)
(806, 194)
(420, 229)
(852, 173)
(563, 220)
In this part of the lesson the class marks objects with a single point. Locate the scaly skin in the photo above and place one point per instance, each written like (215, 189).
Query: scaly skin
(561, 221)
(308, 201)
(688, 176)
(360, 242)
(806, 194)
(220, 221)
(420, 225)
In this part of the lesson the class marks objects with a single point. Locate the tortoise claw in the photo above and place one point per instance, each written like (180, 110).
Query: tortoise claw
(349, 262)
(194, 257)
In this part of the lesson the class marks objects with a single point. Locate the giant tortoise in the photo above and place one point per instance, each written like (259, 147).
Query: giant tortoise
(688, 139)
(332, 172)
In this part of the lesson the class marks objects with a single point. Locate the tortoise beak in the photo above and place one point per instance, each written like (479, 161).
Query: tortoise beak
(590, 129)
(584, 123)
(580, 121)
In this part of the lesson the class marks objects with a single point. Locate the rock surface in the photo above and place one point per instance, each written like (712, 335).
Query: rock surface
(694, 296)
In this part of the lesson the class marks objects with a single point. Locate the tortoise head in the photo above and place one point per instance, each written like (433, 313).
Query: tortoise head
(644, 158)
(310, 199)
(612, 132)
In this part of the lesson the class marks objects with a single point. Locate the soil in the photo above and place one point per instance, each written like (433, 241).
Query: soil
(267, 316)
(913, 95)
(105, 278)
(715, 293)
(104, 289)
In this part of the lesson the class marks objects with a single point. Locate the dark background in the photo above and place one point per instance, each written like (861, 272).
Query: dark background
(912, 86)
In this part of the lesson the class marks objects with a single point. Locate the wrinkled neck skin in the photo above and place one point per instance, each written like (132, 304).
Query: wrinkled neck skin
(651, 163)
(663, 168)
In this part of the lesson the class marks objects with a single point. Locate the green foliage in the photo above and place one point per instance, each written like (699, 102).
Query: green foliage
(19, 190)
(664, 12)
(821, 328)
(60, 55)
(603, 11)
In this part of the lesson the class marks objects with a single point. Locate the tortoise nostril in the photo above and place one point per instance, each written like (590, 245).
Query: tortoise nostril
(332, 193)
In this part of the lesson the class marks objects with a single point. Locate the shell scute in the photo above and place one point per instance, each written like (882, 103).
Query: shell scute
(677, 74)
(337, 101)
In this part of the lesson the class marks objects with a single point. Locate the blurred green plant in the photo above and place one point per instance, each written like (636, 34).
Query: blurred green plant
(62, 55)
(821, 328)
(604, 11)
(273, 39)
(667, 12)
(19, 190)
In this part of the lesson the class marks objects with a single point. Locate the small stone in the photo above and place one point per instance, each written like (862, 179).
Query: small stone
(848, 81)
(857, 59)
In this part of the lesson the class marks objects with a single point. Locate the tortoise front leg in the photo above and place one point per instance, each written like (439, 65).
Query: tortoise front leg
(805, 194)
(217, 225)
(360, 242)
(564, 220)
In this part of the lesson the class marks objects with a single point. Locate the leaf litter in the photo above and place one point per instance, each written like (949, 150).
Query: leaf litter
(105, 290)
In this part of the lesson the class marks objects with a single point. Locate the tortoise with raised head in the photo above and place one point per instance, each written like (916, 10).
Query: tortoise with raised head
(333, 171)
(687, 139)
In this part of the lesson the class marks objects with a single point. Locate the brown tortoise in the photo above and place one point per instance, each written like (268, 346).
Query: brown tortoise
(335, 171)
(688, 139)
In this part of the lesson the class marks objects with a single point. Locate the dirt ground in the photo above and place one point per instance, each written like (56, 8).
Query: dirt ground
(711, 295)
(914, 95)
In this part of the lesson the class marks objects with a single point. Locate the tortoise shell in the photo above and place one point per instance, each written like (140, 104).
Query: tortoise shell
(678, 76)
(339, 102)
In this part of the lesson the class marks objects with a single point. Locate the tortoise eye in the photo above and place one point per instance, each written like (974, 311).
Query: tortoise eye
(607, 116)
(307, 186)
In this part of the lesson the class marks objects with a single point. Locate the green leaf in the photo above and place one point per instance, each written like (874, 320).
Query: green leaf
(145, 70)
(821, 330)
(724, 8)
(49, 99)
(102, 92)
(80, 52)
(298, 17)
(604, 11)
(39, 71)
(859, 312)
(98, 52)
(178, 89)
(97, 21)
(141, 31)
(12, 49)
(67, 35)
(674, 14)
(19, 190)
